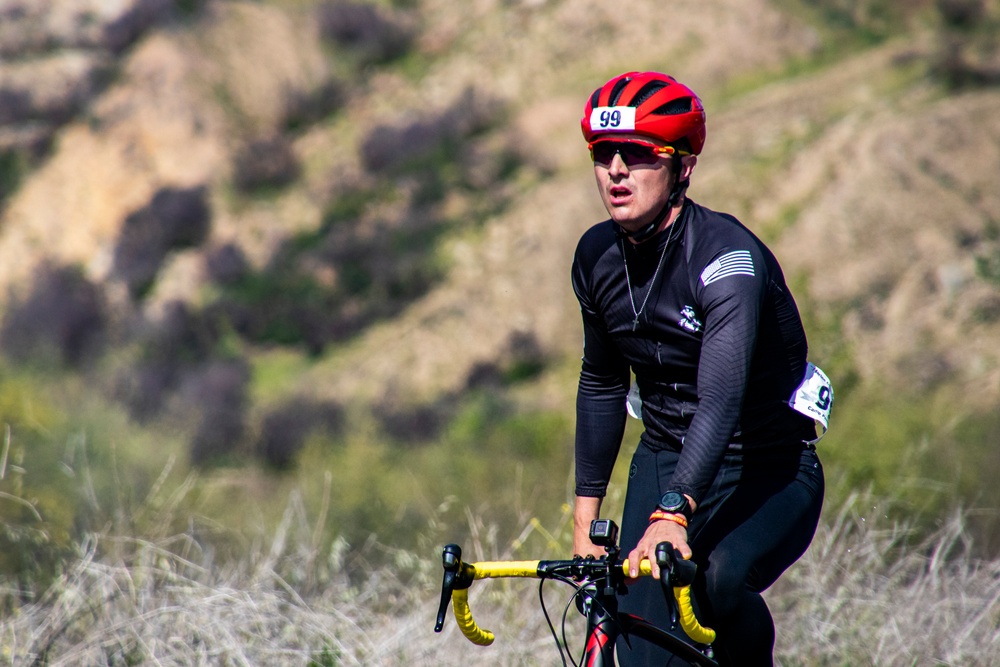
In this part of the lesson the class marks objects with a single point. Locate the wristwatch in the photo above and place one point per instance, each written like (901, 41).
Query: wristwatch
(674, 502)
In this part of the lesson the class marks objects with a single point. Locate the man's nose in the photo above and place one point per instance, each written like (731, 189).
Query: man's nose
(618, 165)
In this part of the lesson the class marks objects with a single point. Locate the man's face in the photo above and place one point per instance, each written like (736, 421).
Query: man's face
(634, 194)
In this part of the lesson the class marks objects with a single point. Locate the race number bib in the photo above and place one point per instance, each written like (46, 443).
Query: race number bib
(633, 402)
(612, 119)
(814, 398)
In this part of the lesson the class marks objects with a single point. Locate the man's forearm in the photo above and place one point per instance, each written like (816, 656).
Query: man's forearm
(586, 509)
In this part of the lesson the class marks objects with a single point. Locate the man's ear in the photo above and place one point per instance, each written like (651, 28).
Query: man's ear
(687, 166)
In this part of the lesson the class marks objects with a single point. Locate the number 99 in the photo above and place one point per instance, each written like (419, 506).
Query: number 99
(611, 118)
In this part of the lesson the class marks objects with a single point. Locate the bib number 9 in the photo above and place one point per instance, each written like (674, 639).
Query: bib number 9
(814, 398)
(824, 398)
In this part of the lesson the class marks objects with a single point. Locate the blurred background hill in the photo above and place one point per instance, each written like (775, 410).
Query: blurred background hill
(320, 249)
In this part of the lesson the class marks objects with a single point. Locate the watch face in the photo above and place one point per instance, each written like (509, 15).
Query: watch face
(673, 501)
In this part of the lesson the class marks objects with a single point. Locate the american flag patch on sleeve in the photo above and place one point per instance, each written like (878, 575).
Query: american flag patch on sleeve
(735, 263)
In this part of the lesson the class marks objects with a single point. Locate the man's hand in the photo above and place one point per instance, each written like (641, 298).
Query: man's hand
(586, 510)
(658, 531)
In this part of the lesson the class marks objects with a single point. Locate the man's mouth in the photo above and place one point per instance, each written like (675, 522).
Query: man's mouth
(619, 193)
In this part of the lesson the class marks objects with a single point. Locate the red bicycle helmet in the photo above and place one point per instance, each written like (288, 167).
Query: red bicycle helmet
(647, 103)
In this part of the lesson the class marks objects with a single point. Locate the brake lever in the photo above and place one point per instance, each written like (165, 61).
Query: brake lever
(451, 558)
(667, 557)
(684, 570)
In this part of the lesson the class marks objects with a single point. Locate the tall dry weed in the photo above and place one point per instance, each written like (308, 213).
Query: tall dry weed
(870, 591)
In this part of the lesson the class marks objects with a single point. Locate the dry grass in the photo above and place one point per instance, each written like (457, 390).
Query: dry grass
(168, 603)
(867, 593)
(870, 592)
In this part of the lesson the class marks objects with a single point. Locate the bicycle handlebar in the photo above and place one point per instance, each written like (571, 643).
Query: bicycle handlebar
(459, 576)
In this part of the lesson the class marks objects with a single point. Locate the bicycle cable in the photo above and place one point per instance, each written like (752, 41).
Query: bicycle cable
(572, 600)
(594, 601)
(578, 590)
(552, 629)
(569, 605)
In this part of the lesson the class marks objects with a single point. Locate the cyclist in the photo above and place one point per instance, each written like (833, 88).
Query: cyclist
(696, 307)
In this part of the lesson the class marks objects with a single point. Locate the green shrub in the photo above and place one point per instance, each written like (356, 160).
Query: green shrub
(370, 33)
(64, 319)
(174, 218)
(12, 169)
(265, 164)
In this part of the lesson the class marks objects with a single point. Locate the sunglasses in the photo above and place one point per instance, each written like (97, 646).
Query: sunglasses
(633, 151)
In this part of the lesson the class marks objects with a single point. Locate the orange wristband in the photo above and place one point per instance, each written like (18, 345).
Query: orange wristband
(676, 518)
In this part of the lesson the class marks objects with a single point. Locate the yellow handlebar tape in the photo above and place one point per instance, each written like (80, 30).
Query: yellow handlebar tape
(645, 568)
(529, 569)
(486, 570)
(506, 568)
(689, 622)
(472, 632)
(692, 628)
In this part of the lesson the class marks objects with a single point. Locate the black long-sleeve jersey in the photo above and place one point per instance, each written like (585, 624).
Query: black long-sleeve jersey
(717, 350)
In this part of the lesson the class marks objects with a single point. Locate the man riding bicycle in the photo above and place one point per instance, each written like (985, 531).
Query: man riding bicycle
(696, 307)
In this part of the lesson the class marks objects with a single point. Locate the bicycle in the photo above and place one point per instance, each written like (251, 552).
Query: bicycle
(596, 581)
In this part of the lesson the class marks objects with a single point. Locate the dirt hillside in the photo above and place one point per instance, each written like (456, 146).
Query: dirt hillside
(876, 189)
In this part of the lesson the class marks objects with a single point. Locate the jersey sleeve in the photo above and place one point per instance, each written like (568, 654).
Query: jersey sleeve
(600, 403)
(731, 289)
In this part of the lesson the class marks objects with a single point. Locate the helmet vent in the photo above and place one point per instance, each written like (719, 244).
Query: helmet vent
(673, 107)
(617, 91)
(647, 91)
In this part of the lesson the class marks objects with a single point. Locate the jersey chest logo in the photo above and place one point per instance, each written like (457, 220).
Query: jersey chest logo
(689, 320)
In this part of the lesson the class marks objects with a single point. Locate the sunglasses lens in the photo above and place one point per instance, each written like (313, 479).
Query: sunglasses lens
(604, 151)
(638, 154)
(632, 154)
